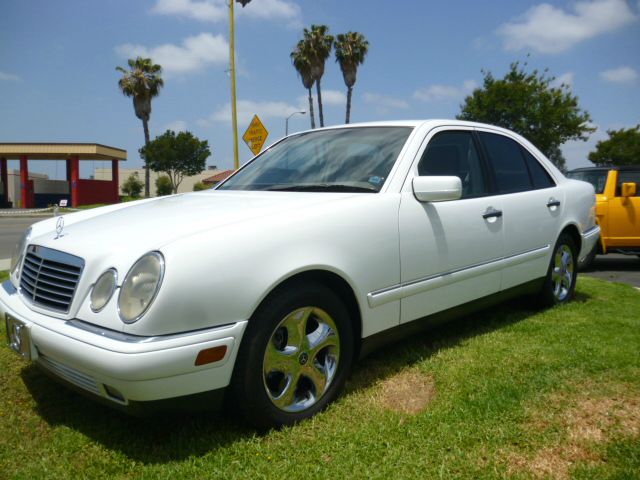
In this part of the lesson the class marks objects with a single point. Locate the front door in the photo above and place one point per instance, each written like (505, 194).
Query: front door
(449, 251)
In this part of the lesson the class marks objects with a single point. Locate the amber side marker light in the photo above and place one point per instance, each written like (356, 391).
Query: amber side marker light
(211, 355)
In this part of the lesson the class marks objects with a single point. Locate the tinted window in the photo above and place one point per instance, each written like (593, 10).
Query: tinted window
(455, 154)
(597, 178)
(540, 177)
(508, 163)
(628, 177)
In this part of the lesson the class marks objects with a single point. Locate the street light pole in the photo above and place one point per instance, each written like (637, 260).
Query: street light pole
(286, 123)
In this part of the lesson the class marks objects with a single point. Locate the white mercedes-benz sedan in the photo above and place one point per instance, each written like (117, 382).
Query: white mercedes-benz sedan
(265, 289)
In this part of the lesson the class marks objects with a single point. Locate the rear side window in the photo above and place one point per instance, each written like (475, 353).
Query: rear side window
(539, 176)
(454, 153)
(510, 169)
(628, 177)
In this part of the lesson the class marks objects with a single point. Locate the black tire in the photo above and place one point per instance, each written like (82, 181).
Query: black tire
(558, 288)
(588, 261)
(268, 344)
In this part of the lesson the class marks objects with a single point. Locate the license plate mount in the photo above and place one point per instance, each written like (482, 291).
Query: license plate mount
(18, 336)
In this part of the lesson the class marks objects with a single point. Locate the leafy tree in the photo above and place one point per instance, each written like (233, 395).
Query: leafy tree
(142, 82)
(528, 104)
(317, 44)
(132, 186)
(176, 155)
(351, 48)
(163, 186)
(302, 64)
(622, 148)
(199, 186)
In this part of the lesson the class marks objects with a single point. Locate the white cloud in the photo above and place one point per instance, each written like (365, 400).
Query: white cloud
(333, 98)
(565, 78)
(246, 109)
(620, 75)
(435, 93)
(176, 126)
(384, 103)
(194, 54)
(548, 29)
(217, 10)
(9, 77)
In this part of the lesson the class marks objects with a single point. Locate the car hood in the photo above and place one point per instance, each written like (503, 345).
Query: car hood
(150, 224)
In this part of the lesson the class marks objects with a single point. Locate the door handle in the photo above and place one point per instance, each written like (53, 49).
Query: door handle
(492, 213)
(553, 202)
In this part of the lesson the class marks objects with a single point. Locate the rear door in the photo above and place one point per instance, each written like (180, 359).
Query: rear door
(532, 204)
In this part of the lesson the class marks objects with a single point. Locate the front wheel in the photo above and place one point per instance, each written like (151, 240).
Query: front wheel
(295, 356)
(560, 282)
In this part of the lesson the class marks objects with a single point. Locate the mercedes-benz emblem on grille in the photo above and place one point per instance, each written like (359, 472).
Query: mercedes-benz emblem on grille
(59, 227)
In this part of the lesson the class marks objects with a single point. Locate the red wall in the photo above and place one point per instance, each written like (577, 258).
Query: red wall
(96, 191)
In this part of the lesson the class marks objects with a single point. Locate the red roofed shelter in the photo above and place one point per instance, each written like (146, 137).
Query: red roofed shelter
(81, 191)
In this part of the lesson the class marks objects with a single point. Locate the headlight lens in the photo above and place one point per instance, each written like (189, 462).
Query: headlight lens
(140, 286)
(18, 252)
(103, 290)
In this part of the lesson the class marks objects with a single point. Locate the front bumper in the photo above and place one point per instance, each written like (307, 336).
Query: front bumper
(589, 240)
(123, 368)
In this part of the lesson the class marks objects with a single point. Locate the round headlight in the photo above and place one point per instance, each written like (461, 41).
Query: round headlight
(103, 289)
(140, 286)
(18, 252)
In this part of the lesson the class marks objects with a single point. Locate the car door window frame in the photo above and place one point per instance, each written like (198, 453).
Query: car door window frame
(482, 162)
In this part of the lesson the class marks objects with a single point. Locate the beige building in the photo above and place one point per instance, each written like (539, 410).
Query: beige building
(124, 173)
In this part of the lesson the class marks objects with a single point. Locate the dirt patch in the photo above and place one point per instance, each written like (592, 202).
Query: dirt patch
(583, 419)
(406, 392)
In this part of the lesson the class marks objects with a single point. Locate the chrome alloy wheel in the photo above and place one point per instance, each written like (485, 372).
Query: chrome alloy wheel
(301, 359)
(562, 273)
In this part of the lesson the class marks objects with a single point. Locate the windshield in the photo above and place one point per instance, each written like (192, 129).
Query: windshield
(347, 159)
(597, 178)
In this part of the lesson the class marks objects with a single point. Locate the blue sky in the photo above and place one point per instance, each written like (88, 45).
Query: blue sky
(58, 80)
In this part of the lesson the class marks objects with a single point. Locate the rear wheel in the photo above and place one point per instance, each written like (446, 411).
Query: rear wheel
(295, 357)
(560, 283)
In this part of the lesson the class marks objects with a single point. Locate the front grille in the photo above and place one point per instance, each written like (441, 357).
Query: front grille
(49, 277)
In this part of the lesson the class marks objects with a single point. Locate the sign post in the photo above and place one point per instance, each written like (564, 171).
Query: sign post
(255, 136)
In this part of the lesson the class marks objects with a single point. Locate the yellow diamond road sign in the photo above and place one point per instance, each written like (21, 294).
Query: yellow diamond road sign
(256, 135)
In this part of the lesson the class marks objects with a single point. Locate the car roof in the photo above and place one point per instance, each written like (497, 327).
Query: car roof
(414, 123)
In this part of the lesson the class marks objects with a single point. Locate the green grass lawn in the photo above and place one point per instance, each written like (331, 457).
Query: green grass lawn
(507, 393)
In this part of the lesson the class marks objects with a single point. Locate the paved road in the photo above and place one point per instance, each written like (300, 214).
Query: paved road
(616, 268)
(10, 231)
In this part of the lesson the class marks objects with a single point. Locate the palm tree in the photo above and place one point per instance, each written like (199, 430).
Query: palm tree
(317, 43)
(142, 82)
(351, 48)
(303, 66)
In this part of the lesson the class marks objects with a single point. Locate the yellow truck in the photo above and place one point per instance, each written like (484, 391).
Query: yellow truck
(617, 208)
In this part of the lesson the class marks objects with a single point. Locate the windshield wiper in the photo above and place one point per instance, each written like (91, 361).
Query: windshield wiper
(322, 187)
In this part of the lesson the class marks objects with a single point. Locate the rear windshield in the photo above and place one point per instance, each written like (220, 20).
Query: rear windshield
(597, 178)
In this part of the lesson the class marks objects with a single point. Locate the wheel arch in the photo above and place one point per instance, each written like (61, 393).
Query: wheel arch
(335, 283)
(574, 233)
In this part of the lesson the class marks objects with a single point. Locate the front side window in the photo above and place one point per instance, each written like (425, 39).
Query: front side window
(628, 177)
(340, 160)
(454, 154)
(508, 163)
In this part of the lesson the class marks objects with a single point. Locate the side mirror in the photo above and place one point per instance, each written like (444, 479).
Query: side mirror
(628, 189)
(437, 189)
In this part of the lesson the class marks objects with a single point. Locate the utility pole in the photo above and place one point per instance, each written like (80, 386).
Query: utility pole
(232, 68)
